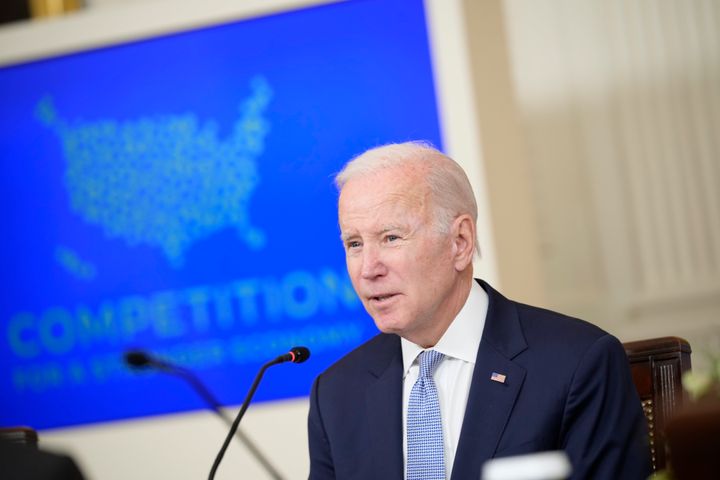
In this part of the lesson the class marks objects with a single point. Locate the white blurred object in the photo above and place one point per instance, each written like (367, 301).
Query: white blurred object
(536, 466)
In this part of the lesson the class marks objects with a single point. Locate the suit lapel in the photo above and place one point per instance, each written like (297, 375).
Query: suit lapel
(490, 402)
(384, 411)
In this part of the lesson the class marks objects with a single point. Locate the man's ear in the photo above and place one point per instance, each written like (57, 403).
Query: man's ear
(463, 237)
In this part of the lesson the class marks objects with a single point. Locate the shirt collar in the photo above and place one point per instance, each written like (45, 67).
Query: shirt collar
(462, 338)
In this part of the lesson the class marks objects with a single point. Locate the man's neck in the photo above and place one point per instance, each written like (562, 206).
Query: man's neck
(455, 302)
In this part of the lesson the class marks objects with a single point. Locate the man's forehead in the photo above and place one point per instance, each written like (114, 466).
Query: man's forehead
(387, 188)
(381, 208)
(395, 213)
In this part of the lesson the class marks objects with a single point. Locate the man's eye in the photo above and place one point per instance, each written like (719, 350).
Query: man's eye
(353, 244)
(392, 238)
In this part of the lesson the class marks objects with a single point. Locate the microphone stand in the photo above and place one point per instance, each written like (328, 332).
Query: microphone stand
(216, 407)
(281, 359)
(139, 359)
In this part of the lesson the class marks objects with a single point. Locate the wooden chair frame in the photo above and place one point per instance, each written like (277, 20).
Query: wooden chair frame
(657, 366)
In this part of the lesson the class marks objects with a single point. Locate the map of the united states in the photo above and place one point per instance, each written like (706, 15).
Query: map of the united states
(164, 180)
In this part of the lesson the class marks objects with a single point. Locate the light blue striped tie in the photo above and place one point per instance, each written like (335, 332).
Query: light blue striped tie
(425, 455)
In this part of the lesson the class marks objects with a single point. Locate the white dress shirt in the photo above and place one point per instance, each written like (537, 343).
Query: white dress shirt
(453, 376)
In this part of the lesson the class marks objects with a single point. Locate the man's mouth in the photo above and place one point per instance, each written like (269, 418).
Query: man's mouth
(382, 298)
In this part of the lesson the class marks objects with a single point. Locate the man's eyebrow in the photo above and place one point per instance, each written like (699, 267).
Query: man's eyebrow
(344, 237)
(386, 228)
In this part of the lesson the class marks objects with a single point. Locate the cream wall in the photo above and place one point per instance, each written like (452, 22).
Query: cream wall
(618, 106)
(599, 121)
(183, 446)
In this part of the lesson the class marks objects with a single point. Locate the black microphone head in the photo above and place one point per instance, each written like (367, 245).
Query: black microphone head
(137, 359)
(299, 354)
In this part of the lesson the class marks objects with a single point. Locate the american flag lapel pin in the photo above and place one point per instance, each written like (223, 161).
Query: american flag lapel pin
(497, 377)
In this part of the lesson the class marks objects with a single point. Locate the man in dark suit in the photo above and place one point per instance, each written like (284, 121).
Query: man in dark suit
(27, 462)
(460, 374)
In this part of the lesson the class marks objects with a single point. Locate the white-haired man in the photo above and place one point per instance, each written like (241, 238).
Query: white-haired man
(459, 374)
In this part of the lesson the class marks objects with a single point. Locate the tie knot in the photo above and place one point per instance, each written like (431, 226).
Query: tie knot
(429, 360)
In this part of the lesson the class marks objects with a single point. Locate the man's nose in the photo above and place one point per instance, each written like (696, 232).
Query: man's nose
(372, 263)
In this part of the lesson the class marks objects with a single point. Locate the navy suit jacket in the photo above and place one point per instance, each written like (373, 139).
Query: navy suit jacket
(568, 387)
(26, 462)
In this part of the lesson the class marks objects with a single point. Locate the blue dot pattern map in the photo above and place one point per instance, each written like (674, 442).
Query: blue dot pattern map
(167, 180)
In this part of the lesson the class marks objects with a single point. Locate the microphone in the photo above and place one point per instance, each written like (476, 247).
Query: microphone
(295, 355)
(140, 360)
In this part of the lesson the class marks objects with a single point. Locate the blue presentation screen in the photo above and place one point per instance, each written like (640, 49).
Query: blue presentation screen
(175, 195)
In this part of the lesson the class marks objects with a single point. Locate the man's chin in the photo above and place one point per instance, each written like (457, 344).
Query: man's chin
(389, 325)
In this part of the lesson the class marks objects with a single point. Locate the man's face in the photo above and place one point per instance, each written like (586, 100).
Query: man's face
(400, 266)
